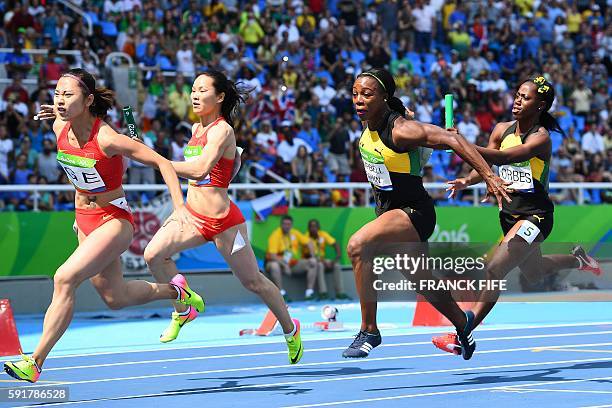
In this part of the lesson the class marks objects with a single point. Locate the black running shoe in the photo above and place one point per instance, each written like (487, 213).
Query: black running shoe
(468, 344)
(362, 345)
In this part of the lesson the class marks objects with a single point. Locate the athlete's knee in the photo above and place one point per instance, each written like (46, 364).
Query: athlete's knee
(255, 284)
(495, 270)
(355, 246)
(64, 279)
(154, 254)
(113, 302)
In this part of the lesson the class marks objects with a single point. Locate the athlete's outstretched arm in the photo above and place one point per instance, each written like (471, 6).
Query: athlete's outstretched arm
(411, 134)
(474, 177)
(113, 143)
(218, 139)
(538, 143)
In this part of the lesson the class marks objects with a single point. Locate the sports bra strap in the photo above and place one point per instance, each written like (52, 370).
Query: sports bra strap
(92, 134)
(219, 119)
(94, 129)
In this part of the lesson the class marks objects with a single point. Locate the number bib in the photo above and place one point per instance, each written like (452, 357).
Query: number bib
(81, 172)
(191, 153)
(376, 171)
(528, 231)
(519, 174)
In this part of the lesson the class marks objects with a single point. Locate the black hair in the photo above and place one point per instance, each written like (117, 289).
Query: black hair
(104, 98)
(286, 217)
(387, 84)
(233, 96)
(546, 92)
(315, 221)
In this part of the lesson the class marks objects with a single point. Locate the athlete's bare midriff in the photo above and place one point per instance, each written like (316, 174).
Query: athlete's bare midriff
(211, 202)
(92, 201)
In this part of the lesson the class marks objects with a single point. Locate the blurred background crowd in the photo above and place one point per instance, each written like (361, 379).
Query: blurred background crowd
(298, 59)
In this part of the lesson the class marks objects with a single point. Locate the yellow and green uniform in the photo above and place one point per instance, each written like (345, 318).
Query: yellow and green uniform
(529, 178)
(319, 244)
(287, 246)
(395, 176)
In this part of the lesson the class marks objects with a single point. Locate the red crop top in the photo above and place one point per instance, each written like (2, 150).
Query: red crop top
(221, 174)
(88, 168)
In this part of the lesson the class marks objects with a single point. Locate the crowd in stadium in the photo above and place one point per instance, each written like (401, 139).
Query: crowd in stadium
(298, 60)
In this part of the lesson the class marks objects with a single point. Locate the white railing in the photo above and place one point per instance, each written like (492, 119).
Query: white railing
(292, 188)
(111, 57)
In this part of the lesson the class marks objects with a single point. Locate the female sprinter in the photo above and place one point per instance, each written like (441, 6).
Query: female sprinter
(522, 149)
(92, 154)
(392, 148)
(211, 162)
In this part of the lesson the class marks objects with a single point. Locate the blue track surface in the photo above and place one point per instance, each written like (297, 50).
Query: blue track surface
(547, 354)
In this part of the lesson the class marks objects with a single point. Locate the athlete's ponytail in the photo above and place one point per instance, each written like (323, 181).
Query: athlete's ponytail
(387, 84)
(232, 98)
(546, 92)
(397, 105)
(104, 98)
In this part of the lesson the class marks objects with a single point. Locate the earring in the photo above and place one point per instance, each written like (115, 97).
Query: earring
(385, 100)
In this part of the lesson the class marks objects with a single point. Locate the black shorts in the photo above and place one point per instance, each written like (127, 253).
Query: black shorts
(543, 221)
(423, 218)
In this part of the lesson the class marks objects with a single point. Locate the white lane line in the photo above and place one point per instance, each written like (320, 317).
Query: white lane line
(362, 377)
(428, 332)
(272, 367)
(418, 343)
(428, 394)
(598, 406)
(555, 390)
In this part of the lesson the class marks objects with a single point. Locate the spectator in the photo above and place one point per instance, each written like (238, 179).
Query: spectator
(430, 177)
(26, 149)
(6, 152)
(324, 92)
(179, 98)
(250, 30)
(476, 64)
(266, 138)
(15, 91)
(47, 163)
(468, 127)
(592, 141)
(582, 98)
(20, 176)
(339, 151)
(177, 147)
(301, 166)
(283, 257)
(460, 40)
(320, 240)
(46, 199)
(288, 148)
(52, 69)
(309, 134)
(354, 131)
(185, 60)
(17, 63)
(424, 24)
(140, 173)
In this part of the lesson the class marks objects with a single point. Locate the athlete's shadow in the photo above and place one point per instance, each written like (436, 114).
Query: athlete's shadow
(510, 376)
(305, 372)
(235, 386)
